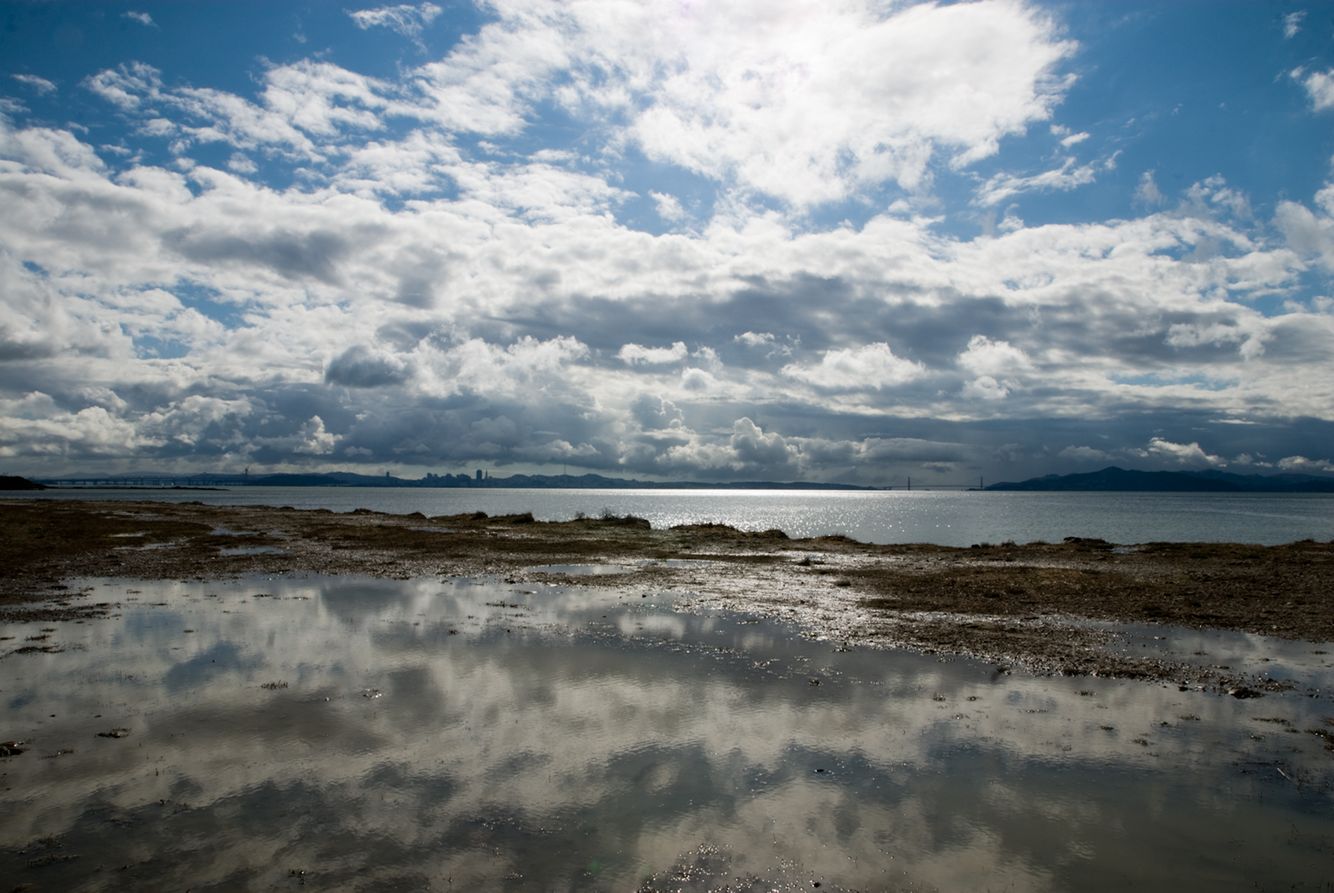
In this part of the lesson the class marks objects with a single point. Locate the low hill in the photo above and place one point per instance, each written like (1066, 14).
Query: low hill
(13, 482)
(1113, 479)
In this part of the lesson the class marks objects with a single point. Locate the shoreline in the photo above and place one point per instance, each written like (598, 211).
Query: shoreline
(1015, 605)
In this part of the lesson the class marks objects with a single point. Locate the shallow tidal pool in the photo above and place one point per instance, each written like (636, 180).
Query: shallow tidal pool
(364, 734)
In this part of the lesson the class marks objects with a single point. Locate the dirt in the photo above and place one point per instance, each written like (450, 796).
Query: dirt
(1013, 604)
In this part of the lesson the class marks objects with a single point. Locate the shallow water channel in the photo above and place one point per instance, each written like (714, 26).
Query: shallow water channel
(273, 733)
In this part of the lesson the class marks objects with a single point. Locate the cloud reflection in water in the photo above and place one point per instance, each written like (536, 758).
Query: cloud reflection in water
(477, 734)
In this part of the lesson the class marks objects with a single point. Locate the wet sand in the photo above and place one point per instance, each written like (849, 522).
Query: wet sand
(1045, 607)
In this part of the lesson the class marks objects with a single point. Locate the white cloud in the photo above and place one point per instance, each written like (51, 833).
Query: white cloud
(299, 101)
(755, 339)
(1062, 179)
(1084, 454)
(638, 354)
(1319, 86)
(1147, 192)
(668, 207)
(985, 356)
(40, 84)
(406, 19)
(1308, 233)
(802, 102)
(1303, 464)
(1292, 24)
(1184, 453)
(996, 366)
(142, 18)
(871, 367)
(314, 440)
(754, 447)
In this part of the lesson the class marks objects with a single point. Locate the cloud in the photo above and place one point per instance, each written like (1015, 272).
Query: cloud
(637, 354)
(364, 367)
(653, 412)
(985, 356)
(1063, 179)
(40, 84)
(850, 369)
(1184, 453)
(1292, 23)
(458, 260)
(142, 18)
(1310, 234)
(1084, 454)
(843, 93)
(299, 101)
(668, 207)
(753, 447)
(1147, 192)
(755, 339)
(314, 440)
(406, 19)
(1319, 86)
(1303, 464)
(996, 366)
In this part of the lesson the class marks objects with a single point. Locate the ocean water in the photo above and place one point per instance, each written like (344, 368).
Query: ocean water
(350, 733)
(941, 517)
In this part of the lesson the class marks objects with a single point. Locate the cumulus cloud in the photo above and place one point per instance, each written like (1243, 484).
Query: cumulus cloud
(142, 18)
(364, 367)
(754, 447)
(1292, 23)
(794, 100)
(842, 91)
(1310, 233)
(985, 356)
(319, 266)
(655, 412)
(1305, 465)
(638, 354)
(1184, 453)
(850, 369)
(1319, 87)
(755, 339)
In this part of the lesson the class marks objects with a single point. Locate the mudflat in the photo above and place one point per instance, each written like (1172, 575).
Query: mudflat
(1049, 607)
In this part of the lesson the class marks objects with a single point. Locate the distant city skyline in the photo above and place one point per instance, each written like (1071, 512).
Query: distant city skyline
(855, 241)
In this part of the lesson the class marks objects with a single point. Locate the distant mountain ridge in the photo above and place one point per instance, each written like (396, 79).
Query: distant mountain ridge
(352, 479)
(1113, 479)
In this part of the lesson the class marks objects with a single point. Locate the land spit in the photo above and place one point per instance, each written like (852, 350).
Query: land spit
(1048, 607)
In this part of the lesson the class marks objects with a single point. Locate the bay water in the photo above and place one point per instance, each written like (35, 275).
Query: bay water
(949, 518)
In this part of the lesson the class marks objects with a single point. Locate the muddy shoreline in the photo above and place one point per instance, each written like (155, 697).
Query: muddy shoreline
(1024, 605)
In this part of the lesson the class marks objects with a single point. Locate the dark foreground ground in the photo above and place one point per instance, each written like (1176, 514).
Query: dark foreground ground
(1029, 604)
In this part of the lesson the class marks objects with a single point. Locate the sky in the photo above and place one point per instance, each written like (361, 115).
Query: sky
(843, 240)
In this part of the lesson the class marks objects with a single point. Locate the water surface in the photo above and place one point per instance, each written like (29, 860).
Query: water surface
(435, 735)
(941, 517)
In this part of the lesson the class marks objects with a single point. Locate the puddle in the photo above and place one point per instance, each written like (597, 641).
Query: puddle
(601, 570)
(251, 550)
(1311, 664)
(585, 570)
(354, 733)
